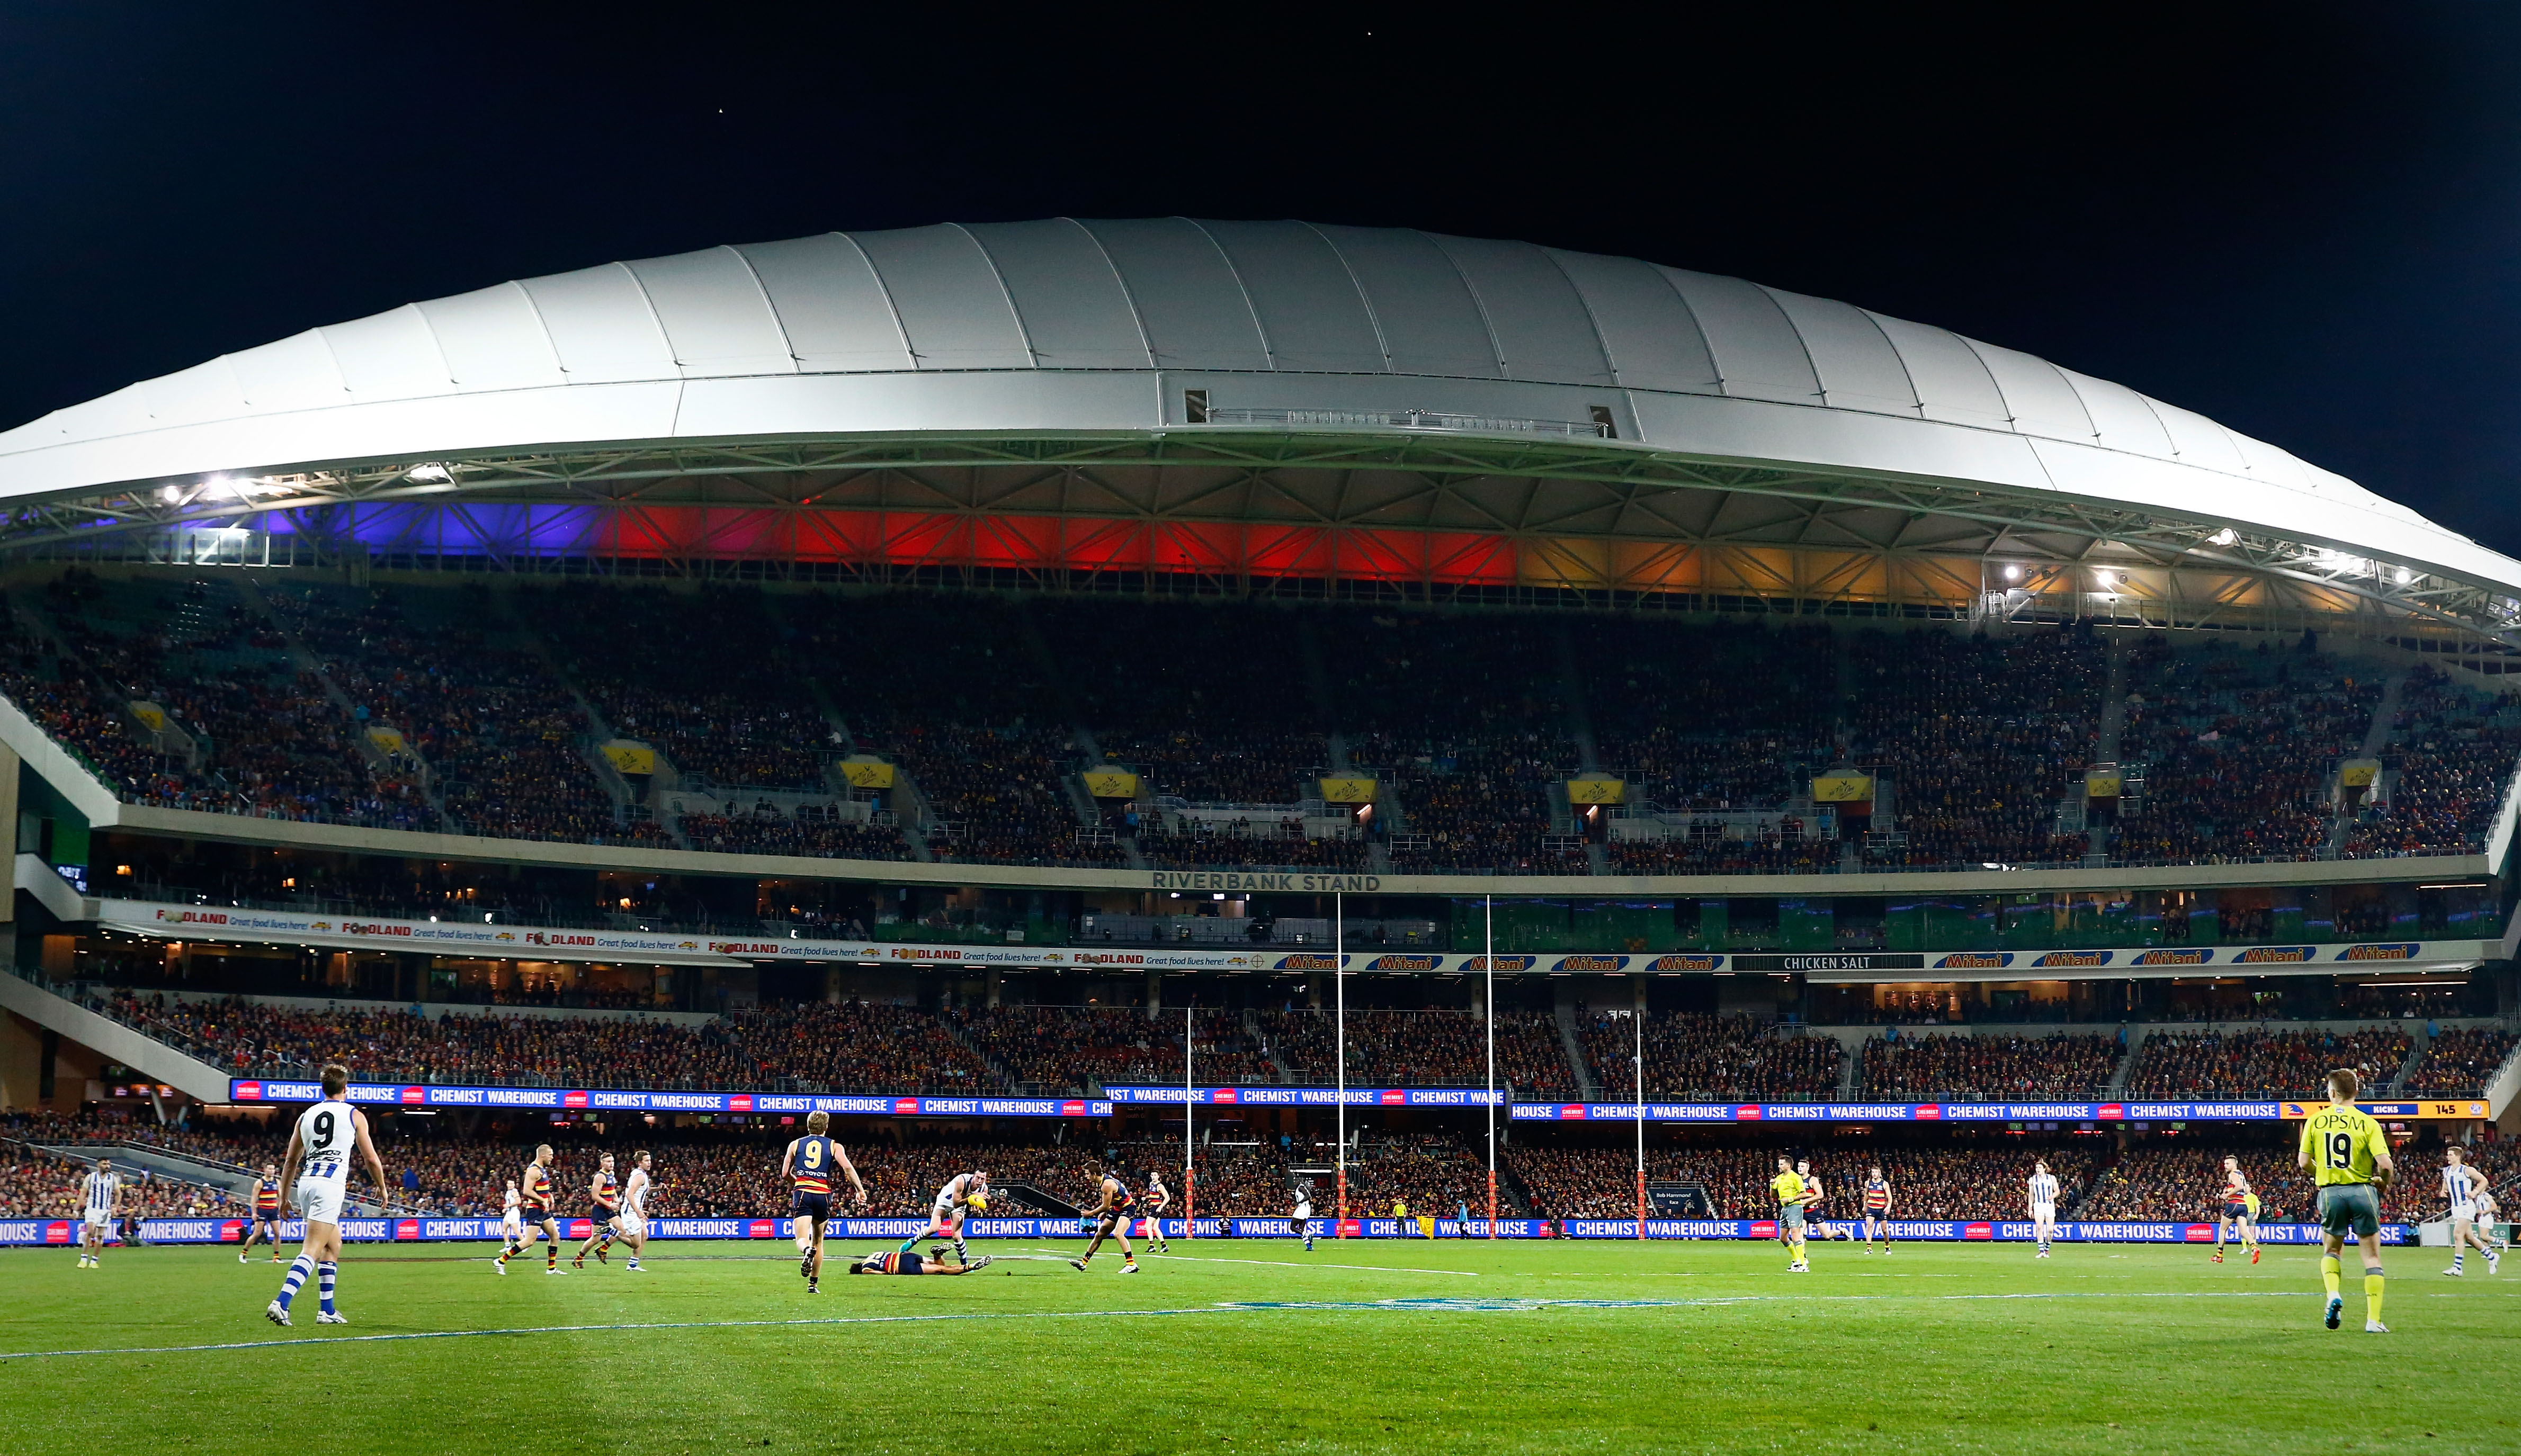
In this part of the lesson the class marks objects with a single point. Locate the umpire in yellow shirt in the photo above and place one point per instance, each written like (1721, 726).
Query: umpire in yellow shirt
(2350, 1156)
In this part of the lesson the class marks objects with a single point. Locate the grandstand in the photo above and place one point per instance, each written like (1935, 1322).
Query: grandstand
(1029, 688)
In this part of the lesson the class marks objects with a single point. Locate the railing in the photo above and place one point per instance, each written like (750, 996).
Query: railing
(1412, 419)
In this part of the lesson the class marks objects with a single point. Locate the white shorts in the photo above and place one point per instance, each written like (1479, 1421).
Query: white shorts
(949, 1219)
(513, 1227)
(2460, 1214)
(632, 1225)
(2043, 1213)
(321, 1203)
(99, 1217)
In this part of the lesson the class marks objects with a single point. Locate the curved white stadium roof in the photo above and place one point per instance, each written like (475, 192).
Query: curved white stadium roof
(1066, 326)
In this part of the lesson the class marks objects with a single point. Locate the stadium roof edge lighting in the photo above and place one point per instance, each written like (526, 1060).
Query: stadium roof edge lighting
(1096, 369)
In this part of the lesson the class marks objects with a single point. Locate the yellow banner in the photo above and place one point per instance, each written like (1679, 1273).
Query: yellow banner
(2098, 785)
(630, 757)
(1348, 789)
(2361, 773)
(1843, 789)
(866, 773)
(1597, 790)
(1110, 783)
(150, 715)
(389, 739)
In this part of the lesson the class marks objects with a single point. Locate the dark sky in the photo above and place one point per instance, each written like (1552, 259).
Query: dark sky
(2301, 219)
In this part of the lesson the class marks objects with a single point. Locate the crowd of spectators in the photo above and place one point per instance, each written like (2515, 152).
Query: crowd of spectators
(808, 832)
(2262, 1064)
(1694, 1055)
(2240, 748)
(1421, 1049)
(1197, 843)
(2459, 1063)
(2004, 1068)
(2451, 754)
(1980, 737)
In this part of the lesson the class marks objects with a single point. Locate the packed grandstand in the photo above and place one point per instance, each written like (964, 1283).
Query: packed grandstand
(970, 675)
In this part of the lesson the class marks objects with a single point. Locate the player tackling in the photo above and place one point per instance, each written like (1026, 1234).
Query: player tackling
(320, 1148)
(2349, 1156)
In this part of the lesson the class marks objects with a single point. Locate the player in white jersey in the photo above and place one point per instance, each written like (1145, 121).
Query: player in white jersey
(320, 1149)
(100, 1200)
(964, 1192)
(1155, 1200)
(634, 1222)
(2460, 1186)
(511, 1216)
(2489, 1214)
(2042, 1191)
(1301, 1222)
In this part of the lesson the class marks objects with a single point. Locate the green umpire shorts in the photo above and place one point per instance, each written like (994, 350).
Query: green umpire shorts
(2349, 1209)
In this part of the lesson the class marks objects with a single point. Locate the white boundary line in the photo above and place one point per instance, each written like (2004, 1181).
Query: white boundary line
(1395, 1307)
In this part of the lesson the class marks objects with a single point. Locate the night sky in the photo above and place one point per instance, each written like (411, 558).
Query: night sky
(2301, 220)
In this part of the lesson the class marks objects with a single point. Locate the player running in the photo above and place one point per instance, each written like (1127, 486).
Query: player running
(2042, 1194)
(807, 1166)
(1110, 1219)
(2240, 1215)
(1788, 1186)
(1154, 1202)
(963, 1194)
(101, 1195)
(2350, 1157)
(604, 1211)
(1877, 1209)
(537, 1201)
(2462, 1184)
(634, 1209)
(265, 1223)
(512, 1222)
(1301, 1222)
(2489, 1214)
(318, 1159)
(902, 1261)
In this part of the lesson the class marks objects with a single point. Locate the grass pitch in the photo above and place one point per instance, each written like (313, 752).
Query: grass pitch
(1250, 1346)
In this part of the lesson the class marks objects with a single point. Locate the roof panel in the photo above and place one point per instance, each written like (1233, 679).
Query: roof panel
(830, 304)
(949, 297)
(1859, 368)
(493, 340)
(1952, 381)
(714, 314)
(287, 374)
(2037, 396)
(602, 326)
(1428, 319)
(2198, 440)
(1651, 338)
(390, 355)
(2269, 462)
(1074, 311)
(1541, 327)
(1311, 311)
(1757, 353)
(1188, 300)
(190, 396)
(2120, 416)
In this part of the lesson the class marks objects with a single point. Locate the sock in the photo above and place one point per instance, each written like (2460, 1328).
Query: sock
(2458, 1256)
(2373, 1294)
(551, 1255)
(324, 1273)
(2329, 1271)
(960, 1256)
(604, 1243)
(298, 1272)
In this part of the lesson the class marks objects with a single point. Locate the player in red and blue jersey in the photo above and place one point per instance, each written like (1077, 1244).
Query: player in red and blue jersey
(807, 1166)
(603, 1197)
(904, 1261)
(1877, 1209)
(265, 1224)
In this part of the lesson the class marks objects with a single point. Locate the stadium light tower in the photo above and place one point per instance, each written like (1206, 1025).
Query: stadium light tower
(1338, 1043)
(1637, 1014)
(1190, 1099)
(1488, 965)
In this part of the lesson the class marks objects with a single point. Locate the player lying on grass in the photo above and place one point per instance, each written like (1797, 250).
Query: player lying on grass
(2350, 1156)
(1110, 1219)
(899, 1261)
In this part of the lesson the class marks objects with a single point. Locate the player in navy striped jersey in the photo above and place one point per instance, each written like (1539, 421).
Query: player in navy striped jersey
(2043, 1205)
(807, 1166)
(265, 1223)
(604, 1212)
(1877, 1209)
(101, 1199)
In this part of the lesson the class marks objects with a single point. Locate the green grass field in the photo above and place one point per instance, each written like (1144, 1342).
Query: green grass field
(1260, 1346)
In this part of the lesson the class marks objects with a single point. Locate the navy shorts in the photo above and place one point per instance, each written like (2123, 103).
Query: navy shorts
(811, 1205)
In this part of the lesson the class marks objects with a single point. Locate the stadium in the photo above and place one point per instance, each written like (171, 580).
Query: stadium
(1322, 714)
